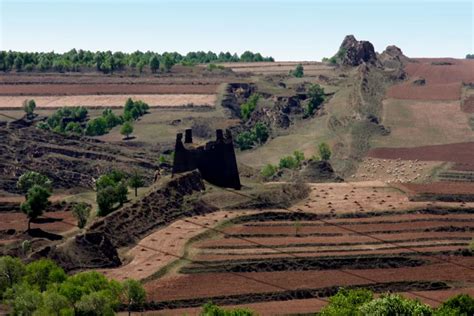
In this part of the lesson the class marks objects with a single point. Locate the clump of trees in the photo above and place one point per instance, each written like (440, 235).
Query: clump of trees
(298, 72)
(111, 190)
(257, 135)
(66, 120)
(248, 107)
(288, 162)
(470, 56)
(43, 288)
(362, 302)
(110, 62)
(37, 189)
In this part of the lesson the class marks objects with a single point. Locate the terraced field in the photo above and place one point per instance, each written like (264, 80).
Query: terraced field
(267, 257)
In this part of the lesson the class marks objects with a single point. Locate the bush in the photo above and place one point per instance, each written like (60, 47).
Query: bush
(81, 212)
(29, 107)
(461, 304)
(248, 107)
(299, 71)
(258, 134)
(393, 304)
(324, 151)
(96, 127)
(346, 302)
(288, 162)
(316, 98)
(269, 171)
(210, 309)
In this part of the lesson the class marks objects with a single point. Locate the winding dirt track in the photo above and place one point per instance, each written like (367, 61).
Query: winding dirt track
(172, 239)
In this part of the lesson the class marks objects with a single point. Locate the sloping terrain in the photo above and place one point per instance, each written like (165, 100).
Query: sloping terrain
(69, 161)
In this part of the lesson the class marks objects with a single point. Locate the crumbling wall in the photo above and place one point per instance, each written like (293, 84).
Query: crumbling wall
(215, 160)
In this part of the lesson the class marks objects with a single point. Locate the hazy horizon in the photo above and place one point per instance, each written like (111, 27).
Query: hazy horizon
(286, 30)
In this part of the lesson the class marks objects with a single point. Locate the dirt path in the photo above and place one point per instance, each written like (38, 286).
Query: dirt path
(144, 262)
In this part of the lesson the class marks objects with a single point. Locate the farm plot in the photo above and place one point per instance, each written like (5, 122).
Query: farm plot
(271, 68)
(273, 256)
(101, 101)
(443, 79)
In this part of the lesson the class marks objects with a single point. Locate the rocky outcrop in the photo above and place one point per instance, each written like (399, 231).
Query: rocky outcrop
(353, 52)
(235, 95)
(319, 171)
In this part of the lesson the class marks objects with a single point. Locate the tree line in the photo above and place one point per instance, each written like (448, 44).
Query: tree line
(109, 62)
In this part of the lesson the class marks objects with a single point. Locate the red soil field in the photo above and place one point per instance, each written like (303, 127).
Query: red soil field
(460, 153)
(335, 240)
(406, 90)
(443, 82)
(95, 88)
(217, 284)
(302, 253)
(441, 187)
(18, 221)
(468, 104)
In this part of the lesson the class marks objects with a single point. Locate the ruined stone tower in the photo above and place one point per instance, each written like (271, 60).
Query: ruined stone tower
(215, 160)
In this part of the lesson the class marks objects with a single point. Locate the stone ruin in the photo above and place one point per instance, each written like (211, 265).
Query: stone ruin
(215, 160)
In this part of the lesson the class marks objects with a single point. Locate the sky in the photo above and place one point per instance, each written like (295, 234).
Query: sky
(285, 29)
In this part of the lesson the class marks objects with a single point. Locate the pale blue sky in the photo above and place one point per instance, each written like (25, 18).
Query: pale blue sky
(286, 30)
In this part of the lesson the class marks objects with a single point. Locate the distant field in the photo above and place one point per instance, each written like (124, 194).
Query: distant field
(443, 76)
(267, 68)
(154, 100)
(417, 123)
(106, 89)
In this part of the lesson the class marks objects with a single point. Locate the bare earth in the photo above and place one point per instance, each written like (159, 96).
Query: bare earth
(154, 100)
(172, 239)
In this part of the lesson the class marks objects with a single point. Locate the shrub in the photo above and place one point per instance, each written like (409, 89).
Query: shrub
(288, 162)
(29, 107)
(461, 304)
(316, 98)
(210, 309)
(246, 140)
(393, 304)
(261, 132)
(269, 171)
(346, 302)
(248, 107)
(81, 212)
(299, 71)
(324, 151)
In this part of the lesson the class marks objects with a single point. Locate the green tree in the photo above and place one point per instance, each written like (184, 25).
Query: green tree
(211, 309)
(324, 151)
(316, 98)
(106, 198)
(299, 157)
(81, 212)
(12, 271)
(299, 71)
(269, 171)
(288, 162)
(23, 299)
(136, 181)
(36, 202)
(246, 140)
(393, 304)
(18, 62)
(126, 130)
(42, 273)
(168, 62)
(32, 178)
(461, 304)
(133, 294)
(154, 64)
(346, 302)
(121, 192)
(54, 303)
(261, 132)
(29, 107)
(74, 128)
(248, 107)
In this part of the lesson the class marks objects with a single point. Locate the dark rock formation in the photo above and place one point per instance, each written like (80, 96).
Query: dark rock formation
(215, 160)
(353, 52)
(319, 171)
(236, 94)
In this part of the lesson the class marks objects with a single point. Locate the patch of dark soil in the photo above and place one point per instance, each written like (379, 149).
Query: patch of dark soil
(39, 233)
(300, 264)
(296, 294)
(14, 207)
